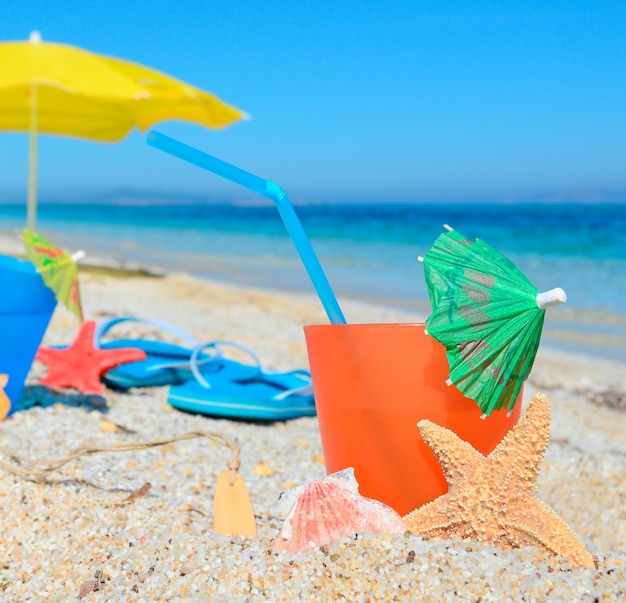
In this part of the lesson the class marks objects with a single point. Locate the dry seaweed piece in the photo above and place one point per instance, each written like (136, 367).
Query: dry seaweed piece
(133, 496)
(610, 398)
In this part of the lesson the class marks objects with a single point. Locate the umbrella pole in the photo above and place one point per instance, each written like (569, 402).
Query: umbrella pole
(31, 206)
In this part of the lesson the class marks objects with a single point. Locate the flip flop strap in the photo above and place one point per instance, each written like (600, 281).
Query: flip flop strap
(304, 390)
(215, 358)
(105, 325)
(193, 362)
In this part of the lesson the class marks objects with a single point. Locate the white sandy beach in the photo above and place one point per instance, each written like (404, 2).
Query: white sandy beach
(161, 547)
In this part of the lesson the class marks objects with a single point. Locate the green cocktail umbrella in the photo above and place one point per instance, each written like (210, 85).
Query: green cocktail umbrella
(487, 314)
(57, 268)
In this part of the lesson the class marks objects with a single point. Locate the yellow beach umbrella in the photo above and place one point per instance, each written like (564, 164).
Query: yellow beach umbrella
(64, 90)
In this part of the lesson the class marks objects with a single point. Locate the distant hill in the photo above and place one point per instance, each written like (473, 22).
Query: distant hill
(146, 197)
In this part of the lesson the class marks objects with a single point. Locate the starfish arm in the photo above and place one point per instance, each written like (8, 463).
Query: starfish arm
(86, 334)
(517, 459)
(535, 524)
(457, 458)
(44, 354)
(108, 361)
(87, 383)
(440, 518)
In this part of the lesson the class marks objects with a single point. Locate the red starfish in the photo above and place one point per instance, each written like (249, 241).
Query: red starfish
(82, 364)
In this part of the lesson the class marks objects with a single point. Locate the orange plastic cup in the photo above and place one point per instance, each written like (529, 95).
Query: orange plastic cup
(372, 384)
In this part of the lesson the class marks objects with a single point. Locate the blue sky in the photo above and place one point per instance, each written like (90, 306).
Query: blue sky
(423, 100)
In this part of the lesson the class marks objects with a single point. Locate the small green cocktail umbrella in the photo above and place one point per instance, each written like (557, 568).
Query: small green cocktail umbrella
(58, 269)
(487, 314)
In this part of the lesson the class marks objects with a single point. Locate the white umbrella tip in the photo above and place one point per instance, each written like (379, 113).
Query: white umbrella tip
(35, 37)
(554, 297)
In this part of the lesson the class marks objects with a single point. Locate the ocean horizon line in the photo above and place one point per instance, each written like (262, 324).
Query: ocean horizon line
(134, 197)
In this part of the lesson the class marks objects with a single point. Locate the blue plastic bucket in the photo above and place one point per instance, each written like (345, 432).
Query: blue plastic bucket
(26, 307)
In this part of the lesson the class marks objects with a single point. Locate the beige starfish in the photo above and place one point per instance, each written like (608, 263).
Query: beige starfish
(492, 498)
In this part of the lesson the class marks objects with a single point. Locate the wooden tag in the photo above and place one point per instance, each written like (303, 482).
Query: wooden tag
(232, 508)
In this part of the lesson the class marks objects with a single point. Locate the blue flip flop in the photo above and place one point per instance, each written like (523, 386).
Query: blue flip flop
(264, 395)
(172, 364)
(165, 363)
(168, 363)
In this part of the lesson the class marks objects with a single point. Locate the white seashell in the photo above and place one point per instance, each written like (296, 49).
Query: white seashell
(326, 510)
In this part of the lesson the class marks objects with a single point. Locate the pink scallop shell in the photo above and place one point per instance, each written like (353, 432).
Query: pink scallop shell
(331, 508)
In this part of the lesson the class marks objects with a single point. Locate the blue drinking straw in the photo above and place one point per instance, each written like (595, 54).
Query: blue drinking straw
(275, 193)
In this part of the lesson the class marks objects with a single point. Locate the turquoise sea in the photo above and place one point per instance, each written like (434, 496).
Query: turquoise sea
(369, 251)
